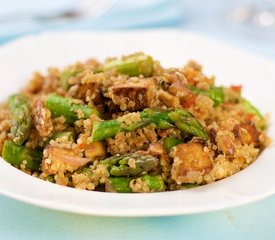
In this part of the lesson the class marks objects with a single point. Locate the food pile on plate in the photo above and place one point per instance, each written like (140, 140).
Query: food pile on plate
(130, 125)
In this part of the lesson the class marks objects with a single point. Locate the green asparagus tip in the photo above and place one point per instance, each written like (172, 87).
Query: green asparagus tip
(187, 123)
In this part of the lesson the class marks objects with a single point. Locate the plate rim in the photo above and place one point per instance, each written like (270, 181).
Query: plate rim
(119, 212)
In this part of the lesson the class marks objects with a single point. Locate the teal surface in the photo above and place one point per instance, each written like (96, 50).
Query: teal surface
(253, 221)
(22, 221)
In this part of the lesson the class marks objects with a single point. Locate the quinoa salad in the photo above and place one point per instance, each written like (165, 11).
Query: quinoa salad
(130, 125)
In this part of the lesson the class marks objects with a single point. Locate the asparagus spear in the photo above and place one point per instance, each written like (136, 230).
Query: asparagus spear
(65, 76)
(248, 107)
(170, 142)
(215, 93)
(187, 123)
(132, 65)
(130, 164)
(50, 178)
(109, 128)
(155, 183)
(159, 117)
(61, 106)
(163, 119)
(70, 136)
(122, 184)
(21, 118)
(17, 155)
(118, 184)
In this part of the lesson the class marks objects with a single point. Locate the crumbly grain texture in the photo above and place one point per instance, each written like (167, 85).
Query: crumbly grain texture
(235, 135)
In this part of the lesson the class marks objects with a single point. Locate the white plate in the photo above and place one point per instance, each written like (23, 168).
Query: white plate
(231, 66)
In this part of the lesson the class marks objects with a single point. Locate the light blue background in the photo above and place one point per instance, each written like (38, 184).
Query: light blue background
(253, 221)
(22, 221)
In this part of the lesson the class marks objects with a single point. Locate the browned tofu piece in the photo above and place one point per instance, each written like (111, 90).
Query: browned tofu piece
(191, 162)
(134, 96)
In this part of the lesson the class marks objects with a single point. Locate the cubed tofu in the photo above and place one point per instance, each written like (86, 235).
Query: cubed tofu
(191, 162)
(134, 96)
